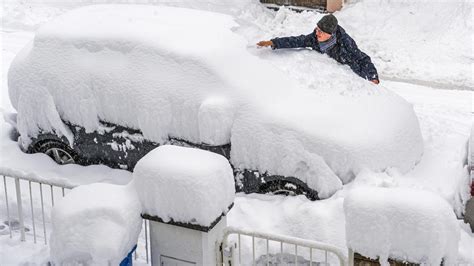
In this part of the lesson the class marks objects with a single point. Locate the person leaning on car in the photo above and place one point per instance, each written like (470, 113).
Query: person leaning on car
(331, 39)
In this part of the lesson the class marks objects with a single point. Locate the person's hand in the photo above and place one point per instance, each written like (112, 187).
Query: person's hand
(265, 43)
(375, 81)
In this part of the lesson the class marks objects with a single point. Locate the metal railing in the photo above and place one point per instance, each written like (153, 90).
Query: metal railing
(286, 250)
(46, 192)
(40, 195)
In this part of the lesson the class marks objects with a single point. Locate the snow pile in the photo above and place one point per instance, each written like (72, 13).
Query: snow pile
(340, 139)
(389, 223)
(446, 120)
(194, 79)
(418, 41)
(95, 224)
(184, 184)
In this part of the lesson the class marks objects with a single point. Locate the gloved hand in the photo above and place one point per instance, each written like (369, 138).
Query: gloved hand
(265, 43)
(375, 81)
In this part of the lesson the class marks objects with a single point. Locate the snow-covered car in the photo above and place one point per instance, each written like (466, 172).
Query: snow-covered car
(108, 83)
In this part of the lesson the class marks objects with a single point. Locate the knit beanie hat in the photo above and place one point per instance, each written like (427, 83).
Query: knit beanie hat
(328, 24)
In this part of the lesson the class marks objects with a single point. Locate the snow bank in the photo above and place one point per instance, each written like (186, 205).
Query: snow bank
(401, 223)
(95, 224)
(184, 184)
(417, 41)
(194, 79)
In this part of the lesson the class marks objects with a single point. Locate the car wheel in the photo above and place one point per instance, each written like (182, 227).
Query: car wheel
(281, 187)
(58, 151)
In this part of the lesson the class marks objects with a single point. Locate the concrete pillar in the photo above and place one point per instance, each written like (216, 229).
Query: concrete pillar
(185, 244)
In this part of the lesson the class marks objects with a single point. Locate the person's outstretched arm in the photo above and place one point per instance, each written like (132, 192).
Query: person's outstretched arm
(290, 42)
(360, 62)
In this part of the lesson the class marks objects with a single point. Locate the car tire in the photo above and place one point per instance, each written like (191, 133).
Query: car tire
(60, 152)
(281, 187)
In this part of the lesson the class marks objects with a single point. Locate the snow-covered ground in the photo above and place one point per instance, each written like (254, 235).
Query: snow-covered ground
(421, 53)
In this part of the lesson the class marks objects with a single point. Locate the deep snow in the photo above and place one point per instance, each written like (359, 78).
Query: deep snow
(387, 223)
(124, 64)
(445, 116)
(96, 224)
(185, 185)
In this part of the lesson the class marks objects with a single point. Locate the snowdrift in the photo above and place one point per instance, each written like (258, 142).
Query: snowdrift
(388, 222)
(423, 41)
(183, 73)
(95, 224)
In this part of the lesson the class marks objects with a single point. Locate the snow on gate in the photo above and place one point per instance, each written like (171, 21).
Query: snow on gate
(28, 203)
(277, 250)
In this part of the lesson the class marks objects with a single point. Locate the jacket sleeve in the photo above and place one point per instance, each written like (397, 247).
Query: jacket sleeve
(293, 42)
(359, 62)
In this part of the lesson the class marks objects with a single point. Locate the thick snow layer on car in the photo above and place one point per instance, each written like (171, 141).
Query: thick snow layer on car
(174, 72)
(95, 224)
(330, 135)
(184, 184)
(387, 222)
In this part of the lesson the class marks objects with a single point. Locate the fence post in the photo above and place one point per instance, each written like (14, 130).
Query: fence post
(351, 257)
(20, 209)
(8, 207)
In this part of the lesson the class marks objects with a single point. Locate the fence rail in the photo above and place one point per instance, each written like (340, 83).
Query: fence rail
(303, 250)
(25, 221)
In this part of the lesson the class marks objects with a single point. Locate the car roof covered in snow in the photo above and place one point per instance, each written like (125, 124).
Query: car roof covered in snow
(123, 27)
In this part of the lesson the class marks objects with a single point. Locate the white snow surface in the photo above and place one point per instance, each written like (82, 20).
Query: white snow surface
(95, 224)
(147, 68)
(388, 223)
(422, 41)
(184, 184)
(444, 115)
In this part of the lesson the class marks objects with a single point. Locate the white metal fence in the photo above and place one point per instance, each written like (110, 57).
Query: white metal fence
(29, 200)
(275, 249)
(33, 222)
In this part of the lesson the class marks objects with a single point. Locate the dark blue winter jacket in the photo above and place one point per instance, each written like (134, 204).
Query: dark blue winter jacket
(345, 51)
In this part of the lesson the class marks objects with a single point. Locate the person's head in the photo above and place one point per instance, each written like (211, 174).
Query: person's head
(326, 27)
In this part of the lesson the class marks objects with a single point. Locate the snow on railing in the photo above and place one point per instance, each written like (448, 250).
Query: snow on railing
(46, 191)
(297, 251)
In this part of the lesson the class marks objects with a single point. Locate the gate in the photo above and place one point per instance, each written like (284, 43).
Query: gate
(243, 247)
(33, 222)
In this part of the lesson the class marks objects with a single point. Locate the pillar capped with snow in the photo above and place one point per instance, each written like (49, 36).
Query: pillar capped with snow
(186, 193)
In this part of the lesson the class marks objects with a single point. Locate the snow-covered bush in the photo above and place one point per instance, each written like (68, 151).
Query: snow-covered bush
(184, 184)
(401, 223)
(95, 224)
(187, 74)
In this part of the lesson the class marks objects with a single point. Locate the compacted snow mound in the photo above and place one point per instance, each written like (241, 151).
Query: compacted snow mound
(95, 224)
(174, 72)
(388, 222)
(184, 184)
